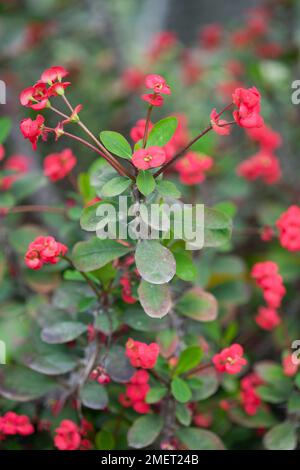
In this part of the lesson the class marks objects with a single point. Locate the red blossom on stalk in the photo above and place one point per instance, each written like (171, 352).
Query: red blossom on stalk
(249, 397)
(54, 74)
(220, 126)
(230, 359)
(44, 250)
(158, 85)
(267, 318)
(32, 129)
(35, 97)
(152, 157)
(192, 167)
(138, 130)
(136, 391)
(267, 277)
(248, 103)
(141, 354)
(58, 165)
(263, 165)
(67, 436)
(12, 424)
(288, 225)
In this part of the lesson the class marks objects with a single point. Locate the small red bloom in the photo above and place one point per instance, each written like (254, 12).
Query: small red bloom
(211, 36)
(248, 103)
(230, 359)
(162, 43)
(58, 89)
(32, 129)
(2, 152)
(288, 225)
(267, 138)
(141, 354)
(18, 165)
(289, 367)
(153, 99)
(67, 436)
(203, 420)
(13, 424)
(250, 399)
(263, 165)
(35, 97)
(54, 74)
(138, 131)
(267, 233)
(220, 126)
(158, 84)
(267, 318)
(58, 165)
(269, 280)
(192, 167)
(152, 157)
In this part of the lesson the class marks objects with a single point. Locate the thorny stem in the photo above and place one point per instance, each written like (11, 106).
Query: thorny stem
(145, 138)
(192, 142)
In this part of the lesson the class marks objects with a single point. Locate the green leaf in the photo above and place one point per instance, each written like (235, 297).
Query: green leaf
(155, 263)
(116, 143)
(94, 396)
(272, 395)
(188, 359)
(89, 218)
(144, 431)
(156, 394)
(185, 269)
(155, 299)
(95, 253)
(54, 363)
(134, 317)
(104, 440)
(183, 414)
(5, 126)
(167, 189)
(199, 439)
(118, 366)
(217, 228)
(21, 384)
(115, 186)
(294, 403)
(198, 305)
(145, 182)
(204, 385)
(180, 390)
(162, 132)
(281, 437)
(28, 185)
(262, 419)
(63, 332)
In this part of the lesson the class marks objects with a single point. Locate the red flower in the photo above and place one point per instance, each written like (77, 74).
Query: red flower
(267, 318)
(32, 129)
(67, 436)
(126, 289)
(250, 399)
(58, 89)
(12, 424)
(162, 43)
(267, 138)
(153, 99)
(141, 354)
(269, 280)
(248, 103)
(152, 157)
(138, 131)
(2, 152)
(211, 36)
(35, 97)
(220, 126)
(202, 420)
(230, 359)
(54, 74)
(262, 165)
(18, 165)
(192, 167)
(158, 84)
(44, 250)
(136, 391)
(133, 78)
(58, 165)
(288, 225)
(289, 367)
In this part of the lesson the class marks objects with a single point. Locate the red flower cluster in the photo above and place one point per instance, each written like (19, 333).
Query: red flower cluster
(230, 359)
(262, 165)
(267, 138)
(211, 36)
(192, 167)
(269, 280)
(267, 318)
(32, 129)
(127, 290)
(248, 103)
(37, 96)
(69, 436)
(138, 131)
(18, 165)
(141, 354)
(159, 86)
(136, 391)
(250, 399)
(12, 424)
(288, 225)
(58, 165)
(152, 157)
(162, 43)
(44, 250)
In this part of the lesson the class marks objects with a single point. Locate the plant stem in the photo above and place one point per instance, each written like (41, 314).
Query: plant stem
(33, 208)
(87, 279)
(145, 138)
